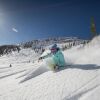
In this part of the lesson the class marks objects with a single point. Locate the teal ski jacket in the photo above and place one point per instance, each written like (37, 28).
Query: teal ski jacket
(58, 58)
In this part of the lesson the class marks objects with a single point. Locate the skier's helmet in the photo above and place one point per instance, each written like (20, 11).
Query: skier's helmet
(54, 48)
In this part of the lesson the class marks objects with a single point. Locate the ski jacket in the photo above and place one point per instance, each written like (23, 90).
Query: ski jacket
(58, 58)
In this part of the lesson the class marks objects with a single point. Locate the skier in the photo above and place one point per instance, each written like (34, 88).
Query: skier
(57, 57)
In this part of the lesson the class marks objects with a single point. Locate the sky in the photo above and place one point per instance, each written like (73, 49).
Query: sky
(25, 20)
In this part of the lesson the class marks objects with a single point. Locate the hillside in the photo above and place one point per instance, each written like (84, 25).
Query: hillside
(26, 80)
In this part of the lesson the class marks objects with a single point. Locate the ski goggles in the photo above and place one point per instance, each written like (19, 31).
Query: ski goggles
(53, 50)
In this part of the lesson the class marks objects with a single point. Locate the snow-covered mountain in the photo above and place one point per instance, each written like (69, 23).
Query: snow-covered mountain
(6, 49)
(39, 45)
(49, 41)
(28, 79)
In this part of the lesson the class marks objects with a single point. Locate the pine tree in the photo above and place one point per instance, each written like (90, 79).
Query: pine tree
(93, 28)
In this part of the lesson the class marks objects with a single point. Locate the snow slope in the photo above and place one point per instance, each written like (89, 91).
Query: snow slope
(34, 81)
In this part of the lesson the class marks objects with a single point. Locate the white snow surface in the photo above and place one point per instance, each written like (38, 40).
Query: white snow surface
(26, 80)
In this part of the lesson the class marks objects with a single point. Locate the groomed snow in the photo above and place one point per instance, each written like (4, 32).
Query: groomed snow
(26, 80)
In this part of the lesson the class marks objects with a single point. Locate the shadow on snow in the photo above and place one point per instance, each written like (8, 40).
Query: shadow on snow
(42, 70)
(82, 66)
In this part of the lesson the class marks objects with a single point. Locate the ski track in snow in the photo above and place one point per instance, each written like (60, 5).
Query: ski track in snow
(84, 89)
(45, 95)
(75, 95)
